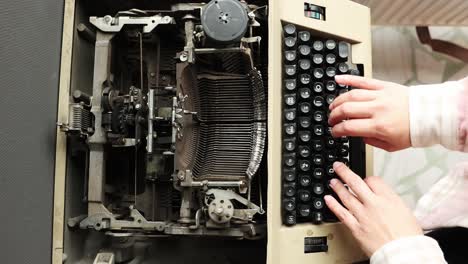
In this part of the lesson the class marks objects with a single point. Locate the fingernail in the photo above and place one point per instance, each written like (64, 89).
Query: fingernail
(337, 164)
(333, 182)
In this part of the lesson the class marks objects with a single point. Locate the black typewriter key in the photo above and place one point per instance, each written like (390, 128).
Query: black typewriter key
(304, 165)
(290, 144)
(317, 59)
(304, 36)
(304, 122)
(331, 86)
(318, 87)
(304, 210)
(330, 171)
(343, 49)
(330, 157)
(290, 128)
(318, 188)
(318, 73)
(304, 50)
(318, 130)
(318, 203)
(304, 180)
(318, 116)
(344, 139)
(330, 58)
(290, 219)
(345, 161)
(318, 45)
(318, 101)
(305, 107)
(330, 98)
(304, 64)
(290, 114)
(318, 217)
(304, 78)
(290, 29)
(317, 145)
(289, 159)
(290, 84)
(304, 93)
(330, 142)
(304, 195)
(331, 72)
(289, 189)
(289, 174)
(342, 91)
(354, 72)
(290, 42)
(329, 129)
(290, 70)
(290, 99)
(343, 150)
(289, 204)
(343, 67)
(330, 44)
(317, 159)
(305, 136)
(318, 173)
(304, 151)
(290, 55)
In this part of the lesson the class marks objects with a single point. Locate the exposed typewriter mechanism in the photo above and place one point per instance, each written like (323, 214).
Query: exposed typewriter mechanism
(174, 128)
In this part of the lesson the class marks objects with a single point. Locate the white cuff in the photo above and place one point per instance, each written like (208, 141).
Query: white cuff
(434, 113)
(409, 250)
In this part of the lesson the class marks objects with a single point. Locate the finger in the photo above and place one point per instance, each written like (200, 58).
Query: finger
(378, 143)
(378, 186)
(351, 110)
(356, 183)
(355, 128)
(356, 95)
(349, 200)
(360, 82)
(342, 213)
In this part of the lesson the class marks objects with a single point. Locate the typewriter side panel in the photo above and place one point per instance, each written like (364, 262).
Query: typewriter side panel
(344, 20)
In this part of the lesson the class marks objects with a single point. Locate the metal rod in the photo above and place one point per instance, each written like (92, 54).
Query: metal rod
(213, 50)
(86, 33)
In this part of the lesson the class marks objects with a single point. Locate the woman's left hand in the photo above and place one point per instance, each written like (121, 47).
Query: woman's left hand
(374, 213)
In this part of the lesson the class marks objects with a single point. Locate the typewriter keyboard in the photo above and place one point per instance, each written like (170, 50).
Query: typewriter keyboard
(309, 66)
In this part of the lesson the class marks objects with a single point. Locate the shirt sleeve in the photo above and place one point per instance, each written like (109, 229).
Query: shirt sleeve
(409, 250)
(437, 114)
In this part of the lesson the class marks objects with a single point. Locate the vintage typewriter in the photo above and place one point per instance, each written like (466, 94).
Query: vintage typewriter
(198, 131)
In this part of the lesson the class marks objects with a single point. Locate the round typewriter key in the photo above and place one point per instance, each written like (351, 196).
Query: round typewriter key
(290, 114)
(290, 160)
(344, 139)
(304, 50)
(290, 55)
(317, 145)
(304, 180)
(304, 93)
(304, 151)
(318, 188)
(290, 144)
(304, 195)
(290, 42)
(304, 165)
(289, 204)
(290, 29)
(290, 175)
(318, 73)
(318, 116)
(290, 219)
(331, 72)
(343, 49)
(330, 156)
(304, 210)
(318, 203)
(318, 101)
(318, 173)
(304, 122)
(304, 136)
(305, 107)
(318, 45)
(290, 84)
(330, 142)
(290, 99)
(289, 190)
(330, 171)
(318, 159)
(290, 129)
(317, 58)
(330, 58)
(318, 87)
(330, 98)
(345, 161)
(331, 86)
(329, 129)
(304, 35)
(318, 217)
(342, 85)
(354, 72)
(330, 44)
(304, 64)
(290, 69)
(318, 130)
(305, 78)
(343, 67)
(343, 150)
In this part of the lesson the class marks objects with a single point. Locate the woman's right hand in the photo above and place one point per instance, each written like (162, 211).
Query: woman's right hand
(376, 111)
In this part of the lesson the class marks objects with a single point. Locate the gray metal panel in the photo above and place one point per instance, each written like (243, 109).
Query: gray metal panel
(30, 35)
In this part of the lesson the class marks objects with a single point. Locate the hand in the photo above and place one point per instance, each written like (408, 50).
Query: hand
(374, 214)
(377, 111)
